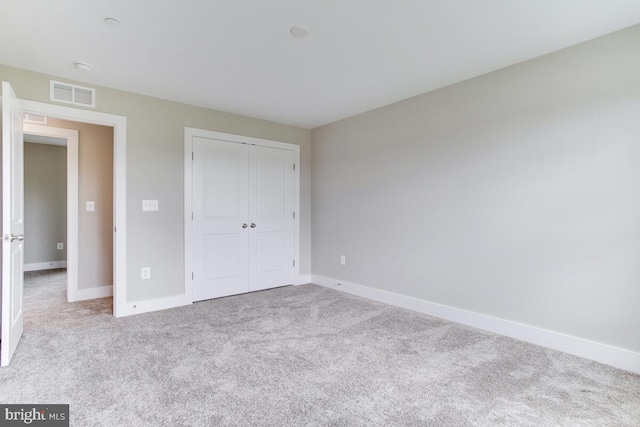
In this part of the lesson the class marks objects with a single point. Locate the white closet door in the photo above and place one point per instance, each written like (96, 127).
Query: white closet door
(220, 218)
(271, 236)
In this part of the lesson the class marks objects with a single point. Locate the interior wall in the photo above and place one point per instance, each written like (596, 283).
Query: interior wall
(514, 194)
(155, 151)
(45, 203)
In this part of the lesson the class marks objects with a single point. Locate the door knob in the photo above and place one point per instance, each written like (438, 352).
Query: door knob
(19, 237)
(253, 225)
(244, 225)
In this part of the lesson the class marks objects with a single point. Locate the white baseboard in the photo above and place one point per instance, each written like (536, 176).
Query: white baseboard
(91, 293)
(303, 279)
(603, 353)
(49, 265)
(131, 308)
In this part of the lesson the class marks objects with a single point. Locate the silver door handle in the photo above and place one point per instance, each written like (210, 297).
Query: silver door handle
(19, 237)
(253, 225)
(244, 225)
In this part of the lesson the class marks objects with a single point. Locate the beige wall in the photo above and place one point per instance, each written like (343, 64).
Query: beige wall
(155, 140)
(45, 202)
(514, 194)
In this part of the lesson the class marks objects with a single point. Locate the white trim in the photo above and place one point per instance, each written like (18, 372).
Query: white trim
(119, 124)
(303, 279)
(47, 265)
(71, 137)
(91, 293)
(603, 353)
(172, 301)
(189, 134)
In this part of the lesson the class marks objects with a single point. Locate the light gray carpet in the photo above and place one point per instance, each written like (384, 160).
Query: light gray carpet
(296, 356)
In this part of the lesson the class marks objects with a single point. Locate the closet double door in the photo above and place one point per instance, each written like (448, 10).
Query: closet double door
(243, 218)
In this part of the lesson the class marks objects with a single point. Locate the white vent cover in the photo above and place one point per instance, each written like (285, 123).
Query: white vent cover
(35, 118)
(72, 94)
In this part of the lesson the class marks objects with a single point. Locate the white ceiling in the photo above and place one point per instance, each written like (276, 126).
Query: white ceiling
(238, 55)
(43, 139)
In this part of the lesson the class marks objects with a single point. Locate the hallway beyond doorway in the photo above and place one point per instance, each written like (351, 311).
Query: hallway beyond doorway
(45, 302)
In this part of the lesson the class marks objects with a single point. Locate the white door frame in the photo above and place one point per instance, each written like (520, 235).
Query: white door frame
(189, 134)
(71, 136)
(119, 124)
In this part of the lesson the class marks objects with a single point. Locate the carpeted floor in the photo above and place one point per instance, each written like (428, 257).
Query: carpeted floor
(295, 356)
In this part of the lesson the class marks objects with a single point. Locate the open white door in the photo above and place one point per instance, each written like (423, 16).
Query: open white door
(12, 224)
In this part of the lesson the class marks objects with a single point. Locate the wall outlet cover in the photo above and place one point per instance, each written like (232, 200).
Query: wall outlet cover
(145, 273)
(91, 206)
(149, 205)
(60, 246)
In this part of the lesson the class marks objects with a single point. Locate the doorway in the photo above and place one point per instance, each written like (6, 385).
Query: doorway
(118, 230)
(89, 195)
(51, 174)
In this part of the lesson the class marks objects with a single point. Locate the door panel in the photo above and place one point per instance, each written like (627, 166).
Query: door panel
(12, 224)
(271, 242)
(220, 208)
(272, 186)
(221, 185)
(17, 262)
(222, 253)
(272, 252)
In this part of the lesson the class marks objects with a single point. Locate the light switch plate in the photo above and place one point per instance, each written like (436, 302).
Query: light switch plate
(149, 205)
(91, 206)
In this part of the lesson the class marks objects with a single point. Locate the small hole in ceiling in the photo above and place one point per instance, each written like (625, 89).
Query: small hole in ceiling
(299, 31)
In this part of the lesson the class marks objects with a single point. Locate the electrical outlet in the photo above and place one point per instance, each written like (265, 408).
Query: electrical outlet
(145, 273)
(149, 205)
(343, 260)
(91, 206)
(60, 246)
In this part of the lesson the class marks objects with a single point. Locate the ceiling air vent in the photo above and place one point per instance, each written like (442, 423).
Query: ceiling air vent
(72, 94)
(35, 118)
